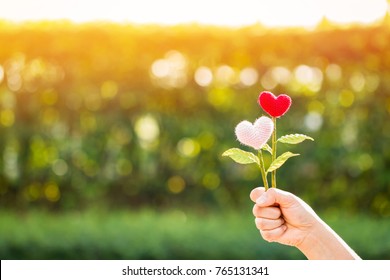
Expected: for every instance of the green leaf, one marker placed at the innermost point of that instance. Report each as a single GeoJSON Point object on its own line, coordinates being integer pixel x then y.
{"type": "Point", "coordinates": [294, 138]}
{"type": "Point", "coordinates": [280, 161]}
{"type": "Point", "coordinates": [267, 148]}
{"type": "Point", "coordinates": [241, 156]}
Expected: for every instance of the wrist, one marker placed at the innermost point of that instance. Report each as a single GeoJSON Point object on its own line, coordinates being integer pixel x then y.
{"type": "Point", "coordinates": [322, 243]}
{"type": "Point", "coordinates": [312, 245]}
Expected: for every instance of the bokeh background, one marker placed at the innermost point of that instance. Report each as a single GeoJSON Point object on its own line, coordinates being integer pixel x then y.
{"type": "Point", "coordinates": [112, 135]}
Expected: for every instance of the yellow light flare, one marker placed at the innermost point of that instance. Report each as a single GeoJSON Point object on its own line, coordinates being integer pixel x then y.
{"type": "Point", "coordinates": [276, 13]}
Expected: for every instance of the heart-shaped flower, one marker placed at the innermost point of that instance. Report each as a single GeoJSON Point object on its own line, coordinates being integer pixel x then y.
{"type": "Point", "coordinates": [255, 135]}
{"type": "Point", "coordinates": [275, 106]}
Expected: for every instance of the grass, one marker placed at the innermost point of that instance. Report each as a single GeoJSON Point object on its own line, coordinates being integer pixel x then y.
{"type": "Point", "coordinates": [171, 234]}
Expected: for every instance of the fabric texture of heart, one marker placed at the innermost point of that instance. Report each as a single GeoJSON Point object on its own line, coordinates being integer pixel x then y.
{"type": "Point", "coordinates": [255, 135]}
{"type": "Point", "coordinates": [275, 106]}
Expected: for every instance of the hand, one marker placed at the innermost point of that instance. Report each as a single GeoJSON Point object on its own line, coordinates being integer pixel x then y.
{"type": "Point", "coordinates": [287, 219]}
{"type": "Point", "coordinates": [282, 216]}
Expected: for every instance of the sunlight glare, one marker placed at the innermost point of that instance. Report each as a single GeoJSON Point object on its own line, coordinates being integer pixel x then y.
{"type": "Point", "coordinates": [225, 75]}
{"type": "Point", "coordinates": [349, 11]}
{"type": "Point", "coordinates": [170, 71]}
{"type": "Point", "coordinates": [203, 76]}
{"type": "Point", "coordinates": [311, 77]}
{"type": "Point", "coordinates": [276, 13]}
{"type": "Point", "coordinates": [249, 76]}
{"type": "Point", "coordinates": [1, 74]}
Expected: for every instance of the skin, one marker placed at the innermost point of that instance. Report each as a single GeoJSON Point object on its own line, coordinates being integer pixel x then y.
{"type": "Point", "coordinates": [285, 218]}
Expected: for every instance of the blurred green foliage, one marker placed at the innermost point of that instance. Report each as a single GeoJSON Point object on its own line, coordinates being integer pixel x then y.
{"type": "Point", "coordinates": [121, 116]}
{"type": "Point", "coordinates": [172, 234]}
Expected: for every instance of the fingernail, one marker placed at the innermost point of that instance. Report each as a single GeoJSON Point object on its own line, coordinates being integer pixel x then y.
{"type": "Point", "coordinates": [261, 199]}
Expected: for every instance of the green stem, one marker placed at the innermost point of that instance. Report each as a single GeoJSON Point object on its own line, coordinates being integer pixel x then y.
{"type": "Point", "coordinates": [273, 173]}
{"type": "Point", "coordinates": [262, 170]}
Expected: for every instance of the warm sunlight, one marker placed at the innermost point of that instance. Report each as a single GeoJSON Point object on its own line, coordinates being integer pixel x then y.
{"type": "Point", "coordinates": [123, 124]}
{"type": "Point", "coordinates": [275, 13]}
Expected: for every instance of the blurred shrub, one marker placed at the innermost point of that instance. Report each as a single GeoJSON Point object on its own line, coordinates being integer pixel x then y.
{"type": "Point", "coordinates": [126, 116]}
{"type": "Point", "coordinates": [171, 234]}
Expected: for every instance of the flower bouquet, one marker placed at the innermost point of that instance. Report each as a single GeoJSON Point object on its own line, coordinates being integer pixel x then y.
{"type": "Point", "coordinates": [256, 135]}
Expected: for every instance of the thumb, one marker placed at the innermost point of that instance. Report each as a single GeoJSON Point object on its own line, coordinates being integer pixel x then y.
{"type": "Point", "coordinates": [275, 196]}
{"type": "Point", "coordinates": [256, 193]}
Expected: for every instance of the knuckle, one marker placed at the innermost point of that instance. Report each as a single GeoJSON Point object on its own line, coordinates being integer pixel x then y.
{"type": "Point", "coordinates": [253, 195]}
{"type": "Point", "coordinates": [259, 223]}
{"type": "Point", "coordinates": [267, 236]}
{"type": "Point", "coordinates": [254, 210]}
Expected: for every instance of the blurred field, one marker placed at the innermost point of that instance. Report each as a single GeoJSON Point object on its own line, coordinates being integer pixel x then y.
{"type": "Point", "coordinates": [125, 118]}
{"type": "Point", "coordinates": [172, 234]}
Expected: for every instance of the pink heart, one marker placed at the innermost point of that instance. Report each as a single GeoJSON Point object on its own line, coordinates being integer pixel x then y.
{"type": "Point", "coordinates": [255, 135]}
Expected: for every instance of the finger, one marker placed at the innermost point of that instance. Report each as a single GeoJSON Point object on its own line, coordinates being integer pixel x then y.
{"type": "Point", "coordinates": [272, 213]}
{"type": "Point", "coordinates": [267, 224]}
{"type": "Point", "coordinates": [276, 196]}
{"type": "Point", "coordinates": [273, 234]}
{"type": "Point", "coordinates": [256, 193]}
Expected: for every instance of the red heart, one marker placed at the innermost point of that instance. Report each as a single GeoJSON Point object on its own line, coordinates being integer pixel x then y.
{"type": "Point", "coordinates": [275, 106]}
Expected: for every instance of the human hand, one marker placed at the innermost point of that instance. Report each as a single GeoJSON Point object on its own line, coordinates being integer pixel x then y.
{"type": "Point", "coordinates": [285, 218]}
{"type": "Point", "coordinates": [282, 217]}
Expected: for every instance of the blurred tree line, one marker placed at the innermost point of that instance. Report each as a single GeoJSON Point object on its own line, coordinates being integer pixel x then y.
{"type": "Point", "coordinates": [106, 115]}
